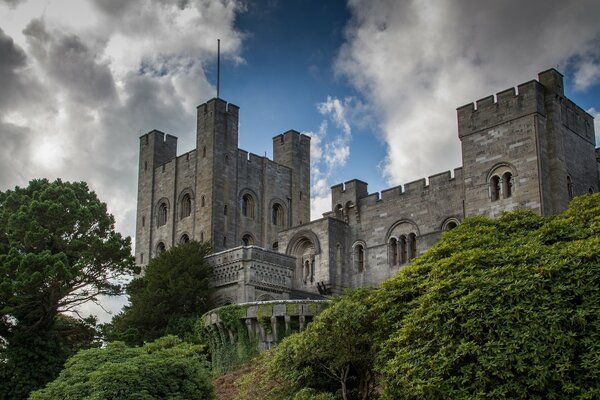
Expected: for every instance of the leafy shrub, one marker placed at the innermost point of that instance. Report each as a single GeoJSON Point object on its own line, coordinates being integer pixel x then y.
{"type": "Point", "coordinates": [164, 369]}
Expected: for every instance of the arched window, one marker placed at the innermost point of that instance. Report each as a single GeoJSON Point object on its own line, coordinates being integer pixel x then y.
{"type": "Point", "coordinates": [277, 214]}
{"type": "Point", "coordinates": [202, 236]}
{"type": "Point", "coordinates": [403, 250]}
{"type": "Point", "coordinates": [186, 206]}
{"type": "Point", "coordinates": [248, 205]}
{"type": "Point", "coordinates": [162, 214]}
{"type": "Point", "coordinates": [507, 183]}
{"type": "Point", "coordinates": [160, 248]}
{"type": "Point", "coordinates": [306, 271]}
{"type": "Point", "coordinates": [450, 225]}
{"type": "Point", "coordinates": [495, 187]}
{"type": "Point", "coordinates": [590, 190]}
{"type": "Point", "coordinates": [204, 151]}
{"type": "Point", "coordinates": [225, 209]}
{"type": "Point", "coordinates": [202, 201]}
{"type": "Point", "coordinates": [570, 187]}
{"type": "Point", "coordinates": [275, 246]}
{"type": "Point", "coordinates": [393, 252]}
{"type": "Point", "coordinates": [224, 241]}
{"type": "Point", "coordinates": [184, 238]}
{"type": "Point", "coordinates": [412, 244]}
{"type": "Point", "coordinates": [359, 257]}
{"type": "Point", "coordinates": [247, 240]}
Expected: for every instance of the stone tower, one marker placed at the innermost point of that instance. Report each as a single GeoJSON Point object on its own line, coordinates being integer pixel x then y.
{"type": "Point", "coordinates": [156, 149]}
{"type": "Point", "coordinates": [293, 150]}
{"type": "Point", "coordinates": [216, 173]}
{"type": "Point", "coordinates": [523, 149]}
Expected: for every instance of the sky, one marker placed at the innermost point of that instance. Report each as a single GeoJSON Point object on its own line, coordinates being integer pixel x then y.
{"type": "Point", "coordinates": [376, 83]}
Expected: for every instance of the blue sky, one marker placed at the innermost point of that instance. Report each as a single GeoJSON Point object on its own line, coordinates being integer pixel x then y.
{"type": "Point", "coordinates": [376, 83]}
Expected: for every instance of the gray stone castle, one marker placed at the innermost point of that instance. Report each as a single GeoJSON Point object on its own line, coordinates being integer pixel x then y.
{"type": "Point", "coordinates": [528, 147]}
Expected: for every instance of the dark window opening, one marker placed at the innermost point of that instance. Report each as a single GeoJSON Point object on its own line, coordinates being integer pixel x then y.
{"type": "Point", "coordinates": [277, 214]}
{"type": "Point", "coordinates": [248, 206]}
{"type": "Point", "coordinates": [412, 241]}
{"type": "Point", "coordinates": [403, 250]}
{"type": "Point", "coordinates": [495, 188]}
{"type": "Point", "coordinates": [360, 258]}
{"type": "Point", "coordinates": [186, 206]}
{"type": "Point", "coordinates": [393, 252]}
{"type": "Point", "coordinates": [162, 214]}
{"type": "Point", "coordinates": [507, 184]}
{"type": "Point", "coordinates": [160, 248]}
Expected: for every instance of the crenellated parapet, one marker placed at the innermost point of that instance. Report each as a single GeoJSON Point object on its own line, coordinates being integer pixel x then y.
{"type": "Point", "coordinates": [356, 191]}
{"type": "Point", "coordinates": [507, 105]}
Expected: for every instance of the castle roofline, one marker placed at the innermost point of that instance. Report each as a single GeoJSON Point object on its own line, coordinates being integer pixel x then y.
{"type": "Point", "coordinates": [217, 100]}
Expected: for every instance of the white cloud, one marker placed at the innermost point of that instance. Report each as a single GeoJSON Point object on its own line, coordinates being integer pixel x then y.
{"type": "Point", "coordinates": [329, 152]}
{"type": "Point", "coordinates": [587, 74]}
{"type": "Point", "coordinates": [416, 62]}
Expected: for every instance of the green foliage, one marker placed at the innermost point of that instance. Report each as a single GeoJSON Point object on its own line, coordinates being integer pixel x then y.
{"type": "Point", "coordinates": [229, 345]}
{"type": "Point", "coordinates": [58, 250]}
{"type": "Point", "coordinates": [499, 309]}
{"type": "Point", "coordinates": [168, 299]}
{"type": "Point", "coordinates": [334, 352]}
{"type": "Point", "coordinates": [506, 308]}
{"type": "Point", "coordinates": [165, 369]}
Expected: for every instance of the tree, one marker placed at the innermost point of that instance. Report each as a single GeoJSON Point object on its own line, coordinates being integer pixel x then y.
{"type": "Point", "coordinates": [498, 309]}
{"type": "Point", "coordinates": [165, 369]}
{"type": "Point", "coordinates": [168, 299]}
{"type": "Point", "coordinates": [336, 349]}
{"type": "Point", "coordinates": [58, 250]}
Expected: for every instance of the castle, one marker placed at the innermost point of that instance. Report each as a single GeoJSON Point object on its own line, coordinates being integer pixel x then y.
{"type": "Point", "coordinates": [526, 148]}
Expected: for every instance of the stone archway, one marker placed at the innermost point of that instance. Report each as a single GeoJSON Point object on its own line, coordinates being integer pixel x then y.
{"type": "Point", "coordinates": [305, 247]}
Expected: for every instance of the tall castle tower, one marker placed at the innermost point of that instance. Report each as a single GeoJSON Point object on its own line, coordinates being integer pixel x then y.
{"type": "Point", "coordinates": [216, 173]}
{"type": "Point", "coordinates": [218, 192]}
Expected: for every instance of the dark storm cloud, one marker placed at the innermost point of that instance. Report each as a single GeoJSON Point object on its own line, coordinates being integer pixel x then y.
{"type": "Point", "coordinates": [19, 87]}
{"type": "Point", "coordinates": [71, 64]}
{"type": "Point", "coordinates": [12, 3]}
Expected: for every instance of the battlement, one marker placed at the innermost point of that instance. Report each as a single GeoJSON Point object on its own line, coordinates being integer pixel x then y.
{"type": "Point", "coordinates": [350, 191]}
{"type": "Point", "coordinates": [219, 105]}
{"type": "Point", "coordinates": [290, 135]}
{"type": "Point", "coordinates": [158, 146]}
{"type": "Point", "coordinates": [423, 186]}
{"type": "Point", "coordinates": [505, 106]}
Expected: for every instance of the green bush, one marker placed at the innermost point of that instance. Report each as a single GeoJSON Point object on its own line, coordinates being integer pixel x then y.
{"type": "Point", "coordinates": [498, 309]}
{"type": "Point", "coordinates": [164, 369]}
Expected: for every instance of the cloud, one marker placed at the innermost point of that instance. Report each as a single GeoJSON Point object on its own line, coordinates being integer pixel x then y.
{"type": "Point", "coordinates": [12, 3]}
{"type": "Point", "coordinates": [587, 74]}
{"type": "Point", "coordinates": [76, 96]}
{"type": "Point", "coordinates": [329, 152]}
{"type": "Point", "coordinates": [416, 62]}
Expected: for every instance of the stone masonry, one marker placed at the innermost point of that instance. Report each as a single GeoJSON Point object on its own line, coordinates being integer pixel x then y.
{"type": "Point", "coordinates": [526, 147]}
